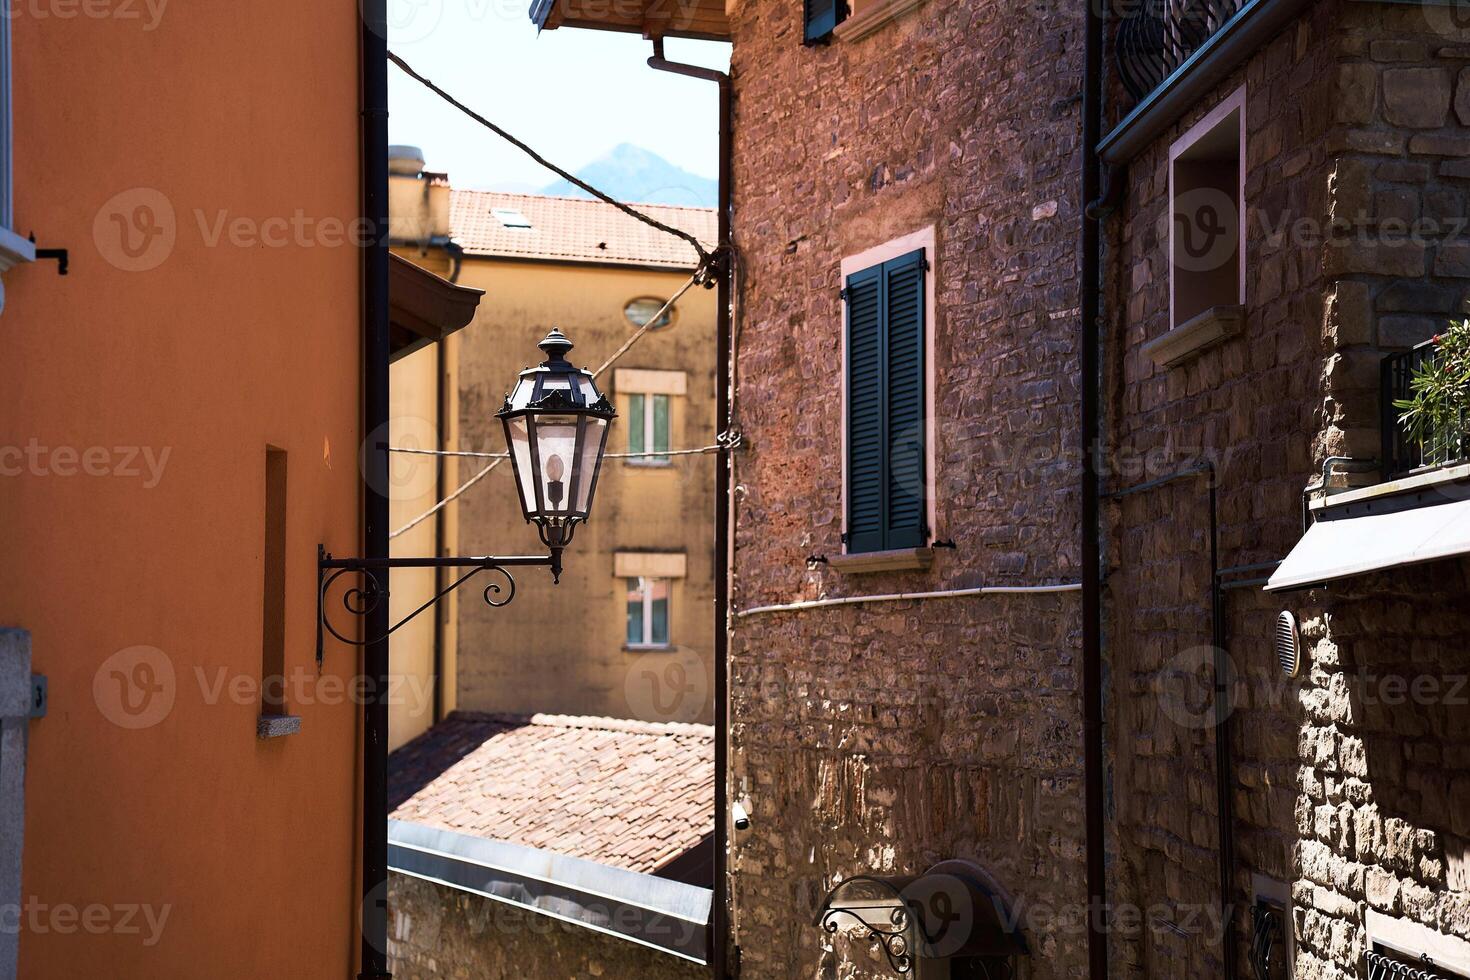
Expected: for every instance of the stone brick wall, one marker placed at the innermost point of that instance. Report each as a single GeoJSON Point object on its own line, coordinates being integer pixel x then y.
{"type": "Point", "coordinates": [883, 738]}
{"type": "Point", "coordinates": [438, 932]}
{"type": "Point", "coordinates": [1354, 207]}
{"type": "Point", "coordinates": [1398, 261]}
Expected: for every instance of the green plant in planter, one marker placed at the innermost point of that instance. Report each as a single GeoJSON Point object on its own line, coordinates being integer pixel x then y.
{"type": "Point", "coordinates": [1437, 413]}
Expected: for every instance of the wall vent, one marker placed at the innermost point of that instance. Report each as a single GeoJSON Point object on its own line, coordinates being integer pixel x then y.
{"type": "Point", "coordinates": [1288, 645]}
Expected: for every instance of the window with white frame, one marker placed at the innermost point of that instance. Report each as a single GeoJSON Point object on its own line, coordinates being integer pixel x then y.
{"type": "Point", "coordinates": [647, 399]}
{"type": "Point", "coordinates": [648, 611]}
{"type": "Point", "coordinates": [888, 448]}
{"type": "Point", "coordinates": [648, 429]}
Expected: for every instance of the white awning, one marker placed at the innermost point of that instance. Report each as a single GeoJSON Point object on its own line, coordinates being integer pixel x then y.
{"type": "Point", "coordinates": [1368, 539]}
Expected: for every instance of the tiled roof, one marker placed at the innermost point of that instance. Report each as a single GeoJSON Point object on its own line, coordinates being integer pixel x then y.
{"type": "Point", "coordinates": [634, 795]}
{"type": "Point", "coordinates": [572, 229]}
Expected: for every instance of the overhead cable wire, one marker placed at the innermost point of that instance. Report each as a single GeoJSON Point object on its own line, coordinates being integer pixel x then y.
{"type": "Point", "coordinates": [565, 175]}
{"type": "Point", "coordinates": [641, 455]}
{"type": "Point", "coordinates": [497, 458]}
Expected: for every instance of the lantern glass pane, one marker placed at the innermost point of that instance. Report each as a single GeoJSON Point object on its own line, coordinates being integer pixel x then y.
{"type": "Point", "coordinates": [520, 449]}
{"type": "Point", "coordinates": [521, 397]}
{"type": "Point", "coordinates": [591, 449]}
{"type": "Point", "coordinates": [556, 445]}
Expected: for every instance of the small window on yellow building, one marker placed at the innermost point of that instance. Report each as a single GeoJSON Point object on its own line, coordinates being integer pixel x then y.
{"type": "Point", "coordinates": [648, 429]}
{"type": "Point", "coordinates": [648, 612]}
{"type": "Point", "coordinates": [642, 309]}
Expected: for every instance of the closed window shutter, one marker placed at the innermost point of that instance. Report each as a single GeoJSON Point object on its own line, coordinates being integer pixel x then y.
{"type": "Point", "coordinates": [886, 407]}
{"type": "Point", "coordinates": [819, 17]}
{"type": "Point", "coordinates": [865, 405]}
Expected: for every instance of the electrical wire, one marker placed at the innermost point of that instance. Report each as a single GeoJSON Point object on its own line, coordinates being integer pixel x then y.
{"type": "Point", "coordinates": [902, 596]}
{"type": "Point", "coordinates": [497, 458]}
{"type": "Point", "coordinates": [565, 175]}
{"type": "Point", "coordinates": [641, 455]}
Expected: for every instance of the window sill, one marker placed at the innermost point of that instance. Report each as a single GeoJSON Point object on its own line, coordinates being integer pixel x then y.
{"type": "Point", "coordinates": [649, 648]}
{"type": "Point", "coordinates": [276, 726]}
{"type": "Point", "coordinates": [13, 251]}
{"type": "Point", "coordinates": [660, 463]}
{"type": "Point", "coordinates": [898, 560]}
{"type": "Point", "coordinates": [871, 17]}
{"type": "Point", "coordinates": [1195, 335]}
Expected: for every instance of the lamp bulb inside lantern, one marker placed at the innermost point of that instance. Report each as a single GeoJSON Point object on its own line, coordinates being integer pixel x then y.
{"type": "Point", "coordinates": [555, 470]}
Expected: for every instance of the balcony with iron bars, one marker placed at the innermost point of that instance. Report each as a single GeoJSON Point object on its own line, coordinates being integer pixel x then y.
{"type": "Point", "coordinates": [1444, 444]}
{"type": "Point", "coordinates": [1169, 54]}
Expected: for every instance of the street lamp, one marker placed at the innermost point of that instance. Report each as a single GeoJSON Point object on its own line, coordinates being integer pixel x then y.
{"type": "Point", "coordinates": [556, 425]}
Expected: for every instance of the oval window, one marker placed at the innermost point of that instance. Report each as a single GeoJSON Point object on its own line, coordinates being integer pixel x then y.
{"type": "Point", "coordinates": [642, 309]}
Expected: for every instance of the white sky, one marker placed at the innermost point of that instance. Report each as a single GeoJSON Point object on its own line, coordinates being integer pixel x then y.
{"type": "Point", "coordinates": [571, 94]}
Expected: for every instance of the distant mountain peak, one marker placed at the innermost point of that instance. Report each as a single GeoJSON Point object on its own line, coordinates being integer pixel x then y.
{"type": "Point", "coordinates": [634, 174]}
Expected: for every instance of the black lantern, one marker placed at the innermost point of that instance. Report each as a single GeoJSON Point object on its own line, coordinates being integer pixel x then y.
{"type": "Point", "coordinates": [556, 428]}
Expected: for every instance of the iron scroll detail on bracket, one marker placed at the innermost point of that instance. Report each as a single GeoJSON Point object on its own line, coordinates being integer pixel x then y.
{"type": "Point", "coordinates": [954, 911]}
{"type": "Point", "coordinates": [365, 596]}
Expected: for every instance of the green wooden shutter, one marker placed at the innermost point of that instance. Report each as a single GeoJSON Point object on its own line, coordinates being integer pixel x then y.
{"type": "Point", "coordinates": [865, 404]}
{"type": "Point", "coordinates": [886, 451]}
{"type": "Point", "coordinates": [905, 497]}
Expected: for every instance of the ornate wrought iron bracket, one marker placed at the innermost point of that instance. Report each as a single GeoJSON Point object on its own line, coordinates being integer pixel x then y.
{"type": "Point", "coordinates": [363, 597]}
{"type": "Point", "coordinates": [894, 941]}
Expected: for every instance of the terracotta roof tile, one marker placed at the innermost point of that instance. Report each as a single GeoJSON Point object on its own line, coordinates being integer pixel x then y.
{"type": "Point", "coordinates": [630, 794]}
{"type": "Point", "coordinates": [575, 229]}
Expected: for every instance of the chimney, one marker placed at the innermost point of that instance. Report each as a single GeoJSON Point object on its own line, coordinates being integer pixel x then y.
{"type": "Point", "coordinates": [418, 201]}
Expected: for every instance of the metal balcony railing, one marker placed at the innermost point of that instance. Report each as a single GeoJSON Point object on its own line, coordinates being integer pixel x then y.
{"type": "Point", "coordinates": [1155, 37]}
{"type": "Point", "coordinates": [1445, 445]}
{"type": "Point", "coordinates": [1384, 967]}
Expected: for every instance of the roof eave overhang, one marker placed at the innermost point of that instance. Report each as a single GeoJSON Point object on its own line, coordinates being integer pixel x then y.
{"type": "Point", "coordinates": [424, 308]}
{"type": "Point", "coordinates": [653, 19]}
{"type": "Point", "coordinates": [664, 915]}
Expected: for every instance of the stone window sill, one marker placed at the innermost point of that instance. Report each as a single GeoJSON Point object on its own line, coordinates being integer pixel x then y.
{"type": "Point", "coordinates": [649, 648]}
{"type": "Point", "coordinates": [871, 16]}
{"type": "Point", "coordinates": [899, 560]}
{"type": "Point", "coordinates": [276, 726]}
{"type": "Point", "coordinates": [13, 251]}
{"type": "Point", "coordinates": [1195, 335]}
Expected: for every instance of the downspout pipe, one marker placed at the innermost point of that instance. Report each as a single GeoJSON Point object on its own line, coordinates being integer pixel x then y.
{"type": "Point", "coordinates": [719, 939]}
{"type": "Point", "coordinates": [1224, 757]}
{"type": "Point", "coordinates": [373, 964]}
{"type": "Point", "coordinates": [455, 251]}
{"type": "Point", "coordinates": [1091, 443]}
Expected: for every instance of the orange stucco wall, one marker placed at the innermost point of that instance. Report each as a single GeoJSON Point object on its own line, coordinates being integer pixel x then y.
{"type": "Point", "coordinates": [248, 847]}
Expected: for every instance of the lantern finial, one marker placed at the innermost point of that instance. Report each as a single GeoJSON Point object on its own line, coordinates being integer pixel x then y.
{"type": "Point", "coordinates": [556, 345]}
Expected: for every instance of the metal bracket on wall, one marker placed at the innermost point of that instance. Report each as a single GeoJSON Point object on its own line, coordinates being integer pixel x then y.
{"type": "Point", "coordinates": [60, 255]}
{"type": "Point", "coordinates": [40, 697]}
{"type": "Point", "coordinates": [359, 600]}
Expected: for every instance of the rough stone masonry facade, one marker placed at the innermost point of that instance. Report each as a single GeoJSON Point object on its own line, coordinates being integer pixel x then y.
{"type": "Point", "coordinates": [1351, 787]}
{"type": "Point", "coordinates": [883, 738]}
{"type": "Point", "coordinates": [436, 933]}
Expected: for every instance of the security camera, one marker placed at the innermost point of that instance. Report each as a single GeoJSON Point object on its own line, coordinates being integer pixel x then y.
{"type": "Point", "coordinates": [742, 819]}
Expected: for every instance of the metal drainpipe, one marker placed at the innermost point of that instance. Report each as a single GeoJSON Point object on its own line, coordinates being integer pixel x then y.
{"type": "Point", "coordinates": [374, 97]}
{"type": "Point", "coordinates": [1224, 759]}
{"type": "Point", "coordinates": [719, 945]}
{"type": "Point", "coordinates": [456, 259]}
{"type": "Point", "coordinates": [1092, 677]}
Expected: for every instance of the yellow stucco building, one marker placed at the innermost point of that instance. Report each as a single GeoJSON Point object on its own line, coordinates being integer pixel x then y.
{"type": "Point", "coordinates": [629, 632]}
